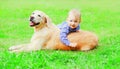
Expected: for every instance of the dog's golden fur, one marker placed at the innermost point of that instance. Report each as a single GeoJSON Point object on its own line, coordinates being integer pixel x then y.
{"type": "Point", "coordinates": [46, 36]}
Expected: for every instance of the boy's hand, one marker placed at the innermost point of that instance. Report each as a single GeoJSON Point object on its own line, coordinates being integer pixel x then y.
{"type": "Point", "coordinates": [73, 44]}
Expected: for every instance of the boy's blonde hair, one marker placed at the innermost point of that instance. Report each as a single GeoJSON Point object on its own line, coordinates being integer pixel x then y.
{"type": "Point", "coordinates": [76, 13]}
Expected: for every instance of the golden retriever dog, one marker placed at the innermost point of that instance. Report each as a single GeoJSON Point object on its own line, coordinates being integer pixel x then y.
{"type": "Point", "coordinates": [47, 36]}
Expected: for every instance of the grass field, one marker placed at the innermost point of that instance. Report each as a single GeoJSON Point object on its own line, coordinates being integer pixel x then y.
{"type": "Point", "coordinates": [99, 16]}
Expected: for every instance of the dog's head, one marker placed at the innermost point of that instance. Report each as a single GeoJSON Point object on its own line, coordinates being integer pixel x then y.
{"type": "Point", "coordinates": [37, 17]}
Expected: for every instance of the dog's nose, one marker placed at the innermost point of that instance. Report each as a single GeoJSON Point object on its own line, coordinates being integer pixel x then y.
{"type": "Point", "coordinates": [31, 18]}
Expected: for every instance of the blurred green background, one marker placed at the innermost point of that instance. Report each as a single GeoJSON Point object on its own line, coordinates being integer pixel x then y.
{"type": "Point", "coordinates": [99, 16]}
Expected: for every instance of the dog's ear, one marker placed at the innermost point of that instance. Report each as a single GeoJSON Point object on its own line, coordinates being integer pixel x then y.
{"type": "Point", "coordinates": [45, 20]}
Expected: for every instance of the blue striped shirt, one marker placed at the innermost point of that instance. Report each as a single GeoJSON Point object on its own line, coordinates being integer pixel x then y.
{"type": "Point", "coordinates": [64, 31]}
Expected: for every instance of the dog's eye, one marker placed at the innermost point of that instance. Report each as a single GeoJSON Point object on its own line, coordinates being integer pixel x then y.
{"type": "Point", "coordinates": [39, 15]}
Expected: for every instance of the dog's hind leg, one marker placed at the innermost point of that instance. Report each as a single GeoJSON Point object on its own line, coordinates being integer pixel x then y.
{"type": "Point", "coordinates": [85, 48]}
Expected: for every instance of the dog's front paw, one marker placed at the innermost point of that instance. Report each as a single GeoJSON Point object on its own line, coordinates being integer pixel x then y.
{"type": "Point", "coordinates": [12, 48]}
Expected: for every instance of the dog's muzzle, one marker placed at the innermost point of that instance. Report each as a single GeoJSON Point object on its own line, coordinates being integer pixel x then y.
{"type": "Point", "coordinates": [32, 23]}
{"type": "Point", "coordinates": [31, 18]}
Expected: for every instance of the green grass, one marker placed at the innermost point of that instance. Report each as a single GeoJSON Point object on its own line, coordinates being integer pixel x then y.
{"type": "Point", "coordinates": [101, 17]}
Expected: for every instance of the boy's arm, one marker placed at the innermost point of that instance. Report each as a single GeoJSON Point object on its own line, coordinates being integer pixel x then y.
{"type": "Point", "coordinates": [63, 36]}
{"type": "Point", "coordinates": [78, 27]}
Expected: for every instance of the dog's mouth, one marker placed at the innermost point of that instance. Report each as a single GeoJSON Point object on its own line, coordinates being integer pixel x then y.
{"type": "Point", "coordinates": [33, 23]}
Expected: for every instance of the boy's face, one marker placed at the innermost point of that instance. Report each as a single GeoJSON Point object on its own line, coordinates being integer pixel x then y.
{"type": "Point", "coordinates": [73, 21]}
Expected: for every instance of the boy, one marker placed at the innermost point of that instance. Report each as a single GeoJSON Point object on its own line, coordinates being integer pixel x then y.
{"type": "Point", "coordinates": [69, 26]}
